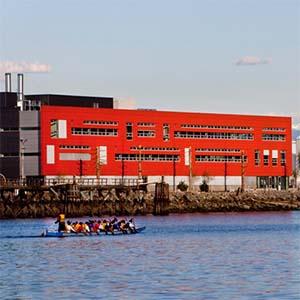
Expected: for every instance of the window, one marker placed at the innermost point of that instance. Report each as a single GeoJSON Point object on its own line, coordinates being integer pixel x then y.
{"type": "Point", "coordinates": [166, 132]}
{"type": "Point", "coordinates": [273, 129]}
{"type": "Point", "coordinates": [257, 157]}
{"type": "Point", "coordinates": [266, 160]}
{"type": "Point", "coordinates": [220, 158]}
{"type": "Point", "coordinates": [95, 131]}
{"type": "Point", "coordinates": [283, 157]}
{"type": "Point", "coordinates": [58, 129]}
{"type": "Point", "coordinates": [145, 124]}
{"type": "Point", "coordinates": [54, 129]}
{"type": "Point", "coordinates": [216, 127]}
{"type": "Point", "coordinates": [146, 133]}
{"type": "Point", "coordinates": [147, 157]}
{"type": "Point", "coordinates": [129, 134]}
{"type": "Point", "coordinates": [155, 149]}
{"type": "Point", "coordinates": [103, 123]}
{"type": "Point", "coordinates": [213, 135]}
{"type": "Point", "coordinates": [79, 147]}
{"type": "Point", "coordinates": [217, 150]}
{"type": "Point", "coordinates": [274, 157]}
{"type": "Point", "coordinates": [273, 137]}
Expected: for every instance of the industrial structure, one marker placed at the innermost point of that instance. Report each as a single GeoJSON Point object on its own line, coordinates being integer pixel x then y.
{"type": "Point", "coordinates": [59, 136]}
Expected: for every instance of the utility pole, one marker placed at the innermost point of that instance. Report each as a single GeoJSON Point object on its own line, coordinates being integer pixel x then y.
{"type": "Point", "coordinates": [242, 171]}
{"type": "Point", "coordinates": [139, 165]}
{"type": "Point", "coordinates": [190, 169]}
{"type": "Point", "coordinates": [174, 173]}
{"type": "Point", "coordinates": [225, 174]}
{"type": "Point", "coordinates": [80, 168]}
{"type": "Point", "coordinates": [97, 163]}
{"type": "Point", "coordinates": [123, 170]}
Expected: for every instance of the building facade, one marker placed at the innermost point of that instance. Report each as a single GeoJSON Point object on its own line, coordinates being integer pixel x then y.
{"type": "Point", "coordinates": [68, 136]}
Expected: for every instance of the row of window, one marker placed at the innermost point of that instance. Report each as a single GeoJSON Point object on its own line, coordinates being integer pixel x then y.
{"type": "Point", "coordinates": [273, 129]}
{"type": "Point", "coordinates": [82, 147]}
{"type": "Point", "coordinates": [216, 127]}
{"type": "Point", "coordinates": [146, 157]}
{"type": "Point", "coordinates": [105, 123]}
{"type": "Point", "coordinates": [151, 124]}
{"type": "Point", "coordinates": [217, 150]}
{"type": "Point", "coordinates": [145, 124]}
{"type": "Point", "coordinates": [154, 148]}
{"type": "Point", "coordinates": [220, 158]}
{"type": "Point", "coordinates": [266, 158]}
{"type": "Point", "coordinates": [273, 137]}
{"type": "Point", "coordinates": [146, 133]}
{"type": "Point", "coordinates": [213, 135]}
{"type": "Point", "coordinates": [95, 131]}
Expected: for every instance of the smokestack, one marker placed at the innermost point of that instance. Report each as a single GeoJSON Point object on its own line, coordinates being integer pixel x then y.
{"type": "Point", "coordinates": [8, 82]}
{"type": "Point", "coordinates": [21, 91]}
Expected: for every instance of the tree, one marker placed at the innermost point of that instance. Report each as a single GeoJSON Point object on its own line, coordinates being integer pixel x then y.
{"type": "Point", "coordinates": [205, 181]}
{"type": "Point", "coordinates": [182, 186]}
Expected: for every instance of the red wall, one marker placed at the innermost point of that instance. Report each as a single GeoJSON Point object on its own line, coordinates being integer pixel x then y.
{"type": "Point", "coordinates": [119, 144]}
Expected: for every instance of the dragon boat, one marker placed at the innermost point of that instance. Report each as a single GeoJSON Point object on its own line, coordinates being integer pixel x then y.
{"type": "Point", "coordinates": [62, 234]}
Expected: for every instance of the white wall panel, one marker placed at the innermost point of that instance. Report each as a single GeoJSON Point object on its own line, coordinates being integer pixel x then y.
{"type": "Point", "coordinates": [62, 129]}
{"type": "Point", "coordinates": [50, 154]}
{"type": "Point", "coordinates": [74, 156]}
{"type": "Point", "coordinates": [103, 155]}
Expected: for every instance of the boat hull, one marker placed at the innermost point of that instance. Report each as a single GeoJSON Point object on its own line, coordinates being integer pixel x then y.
{"type": "Point", "coordinates": [57, 234]}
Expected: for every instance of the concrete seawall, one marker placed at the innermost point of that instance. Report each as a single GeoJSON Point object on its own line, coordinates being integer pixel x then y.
{"type": "Point", "coordinates": [46, 204]}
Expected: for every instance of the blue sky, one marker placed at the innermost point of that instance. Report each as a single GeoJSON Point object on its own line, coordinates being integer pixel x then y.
{"type": "Point", "coordinates": [167, 54]}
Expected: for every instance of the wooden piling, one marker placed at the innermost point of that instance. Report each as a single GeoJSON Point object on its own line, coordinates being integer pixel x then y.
{"type": "Point", "coordinates": [161, 199]}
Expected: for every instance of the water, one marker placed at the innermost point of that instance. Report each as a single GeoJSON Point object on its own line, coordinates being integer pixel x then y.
{"type": "Point", "coordinates": [192, 256]}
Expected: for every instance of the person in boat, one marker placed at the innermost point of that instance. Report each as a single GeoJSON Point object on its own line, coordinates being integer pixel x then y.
{"type": "Point", "coordinates": [61, 222]}
{"type": "Point", "coordinates": [86, 227]}
{"type": "Point", "coordinates": [96, 226]}
{"type": "Point", "coordinates": [123, 226]}
{"type": "Point", "coordinates": [131, 226]}
{"type": "Point", "coordinates": [115, 224]}
{"type": "Point", "coordinates": [69, 227]}
{"type": "Point", "coordinates": [77, 227]}
{"type": "Point", "coordinates": [102, 226]}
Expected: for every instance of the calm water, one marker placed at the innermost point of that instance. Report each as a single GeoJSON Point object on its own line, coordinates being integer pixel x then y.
{"type": "Point", "coordinates": [193, 256]}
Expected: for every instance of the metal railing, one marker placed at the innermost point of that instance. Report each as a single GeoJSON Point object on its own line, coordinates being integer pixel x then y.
{"type": "Point", "coordinates": [15, 183]}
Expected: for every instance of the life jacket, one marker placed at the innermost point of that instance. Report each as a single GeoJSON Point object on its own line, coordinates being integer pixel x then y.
{"type": "Point", "coordinates": [61, 218]}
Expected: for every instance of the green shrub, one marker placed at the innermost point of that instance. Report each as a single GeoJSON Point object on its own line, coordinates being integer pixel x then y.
{"type": "Point", "coordinates": [182, 186]}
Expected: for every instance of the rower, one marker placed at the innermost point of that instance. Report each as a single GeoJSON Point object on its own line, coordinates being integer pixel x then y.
{"type": "Point", "coordinates": [69, 227]}
{"type": "Point", "coordinates": [61, 222]}
{"type": "Point", "coordinates": [131, 226]}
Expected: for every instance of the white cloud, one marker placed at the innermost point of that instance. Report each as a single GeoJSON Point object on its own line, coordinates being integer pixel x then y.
{"type": "Point", "coordinates": [252, 61]}
{"type": "Point", "coordinates": [22, 67]}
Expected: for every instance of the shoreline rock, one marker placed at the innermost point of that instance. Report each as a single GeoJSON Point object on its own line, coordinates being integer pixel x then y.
{"type": "Point", "coordinates": [37, 204]}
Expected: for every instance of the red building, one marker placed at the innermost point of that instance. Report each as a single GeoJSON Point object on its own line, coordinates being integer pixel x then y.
{"type": "Point", "coordinates": [224, 149]}
{"type": "Point", "coordinates": [55, 136]}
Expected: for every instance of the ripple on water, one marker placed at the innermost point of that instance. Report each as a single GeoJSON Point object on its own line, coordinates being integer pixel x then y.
{"type": "Point", "coordinates": [199, 256]}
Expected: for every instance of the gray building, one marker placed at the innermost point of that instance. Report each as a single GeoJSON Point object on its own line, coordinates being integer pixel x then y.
{"type": "Point", "coordinates": [20, 126]}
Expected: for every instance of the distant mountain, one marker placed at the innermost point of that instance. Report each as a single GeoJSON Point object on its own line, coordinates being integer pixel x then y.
{"type": "Point", "coordinates": [296, 133]}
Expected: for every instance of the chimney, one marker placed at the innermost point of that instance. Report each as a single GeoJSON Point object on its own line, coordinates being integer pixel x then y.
{"type": "Point", "coordinates": [8, 82]}
{"type": "Point", "coordinates": [21, 91]}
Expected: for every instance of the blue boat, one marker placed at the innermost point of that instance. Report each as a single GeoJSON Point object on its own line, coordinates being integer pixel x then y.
{"type": "Point", "coordinates": [72, 234]}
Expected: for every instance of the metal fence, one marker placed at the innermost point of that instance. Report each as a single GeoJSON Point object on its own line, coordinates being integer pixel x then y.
{"type": "Point", "coordinates": [15, 183]}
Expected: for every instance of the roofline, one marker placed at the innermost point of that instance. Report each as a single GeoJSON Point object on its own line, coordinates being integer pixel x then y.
{"type": "Point", "coordinates": [177, 112]}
